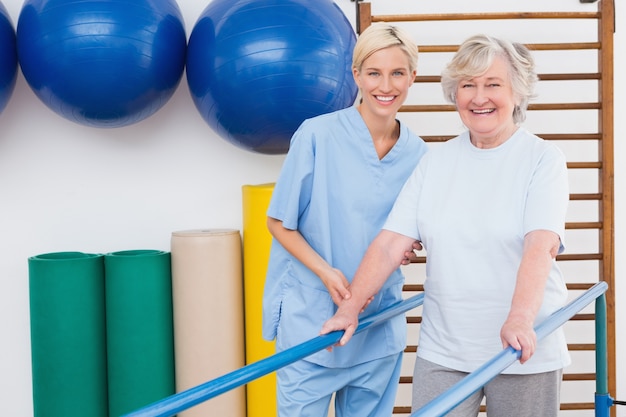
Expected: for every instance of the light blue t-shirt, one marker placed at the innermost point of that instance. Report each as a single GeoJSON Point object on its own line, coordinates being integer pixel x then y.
{"type": "Point", "coordinates": [334, 189]}
{"type": "Point", "coordinates": [471, 208]}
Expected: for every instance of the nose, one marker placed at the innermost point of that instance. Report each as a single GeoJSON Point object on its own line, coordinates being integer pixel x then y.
{"type": "Point", "coordinates": [385, 85]}
{"type": "Point", "coordinates": [480, 96]}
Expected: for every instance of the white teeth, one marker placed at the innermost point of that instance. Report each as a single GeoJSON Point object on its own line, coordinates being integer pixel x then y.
{"type": "Point", "coordinates": [483, 111]}
{"type": "Point", "coordinates": [384, 98]}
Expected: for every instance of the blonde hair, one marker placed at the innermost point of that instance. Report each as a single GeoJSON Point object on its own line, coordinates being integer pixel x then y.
{"type": "Point", "coordinates": [380, 36]}
{"type": "Point", "coordinates": [475, 56]}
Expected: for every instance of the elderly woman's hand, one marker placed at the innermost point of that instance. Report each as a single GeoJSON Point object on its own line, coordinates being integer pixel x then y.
{"type": "Point", "coordinates": [518, 333]}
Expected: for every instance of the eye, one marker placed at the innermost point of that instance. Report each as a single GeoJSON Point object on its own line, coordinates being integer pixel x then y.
{"type": "Point", "coordinates": [398, 73]}
{"type": "Point", "coordinates": [467, 85]}
{"type": "Point", "coordinates": [373, 73]}
{"type": "Point", "coordinates": [494, 85]}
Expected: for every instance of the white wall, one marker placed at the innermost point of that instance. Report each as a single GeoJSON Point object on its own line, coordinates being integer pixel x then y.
{"type": "Point", "coordinates": [68, 187]}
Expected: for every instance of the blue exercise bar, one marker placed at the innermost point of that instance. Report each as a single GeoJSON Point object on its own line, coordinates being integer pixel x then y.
{"type": "Point", "coordinates": [481, 376]}
{"type": "Point", "coordinates": [186, 399]}
{"type": "Point", "coordinates": [437, 407]}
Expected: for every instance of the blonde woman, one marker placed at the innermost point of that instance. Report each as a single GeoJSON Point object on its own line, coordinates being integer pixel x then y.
{"type": "Point", "coordinates": [339, 180]}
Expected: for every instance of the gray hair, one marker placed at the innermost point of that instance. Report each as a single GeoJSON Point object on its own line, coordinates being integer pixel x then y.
{"type": "Point", "coordinates": [475, 56]}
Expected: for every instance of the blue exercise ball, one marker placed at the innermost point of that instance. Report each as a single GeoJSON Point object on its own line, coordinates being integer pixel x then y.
{"type": "Point", "coordinates": [102, 63]}
{"type": "Point", "coordinates": [257, 69]}
{"type": "Point", "coordinates": [8, 55]}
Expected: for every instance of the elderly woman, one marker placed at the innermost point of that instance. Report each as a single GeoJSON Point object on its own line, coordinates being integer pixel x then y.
{"type": "Point", "coordinates": [489, 207]}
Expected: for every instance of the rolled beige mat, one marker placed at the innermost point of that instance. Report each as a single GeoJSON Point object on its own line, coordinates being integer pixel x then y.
{"type": "Point", "coordinates": [207, 291]}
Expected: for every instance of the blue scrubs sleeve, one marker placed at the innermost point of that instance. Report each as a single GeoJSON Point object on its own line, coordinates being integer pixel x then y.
{"type": "Point", "coordinates": [295, 179]}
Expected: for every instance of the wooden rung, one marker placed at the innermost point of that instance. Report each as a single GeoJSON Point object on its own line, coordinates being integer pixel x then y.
{"type": "Point", "coordinates": [564, 407]}
{"type": "Point", "coordinates": [575, 317]}
{"type": "Point", "coordinates": [583, 317]}
{"type": "Point", "coordinates": [570, 136]}
{"type": "Point", "coordinates": [429, 108]}
{"type": "Point", "coordinates": [577, 406]}
{"type": "Point", "coordinates": [583, 225]}
{"type": "Point", "coordinates": [570, 286]}
{"type": "Point", "coordinates": [584, 165]}
{"type": "Point", "coordinates": [542, 77]}
{"type": "Point", "coordinates": [425, 17]}
{"type": "Point", "coordinates": [564, 257]}
{"type": "Point", "coordinates": [574, 46]}
{"type": "Point", "coordinates": [566, 377]}
{"type": "Point", "coordinates": [546, 136]}
{"type": "Point", "coordinates": [579, 286]}
{"type": "Point", "coordinates": [579, 197]}
{"type": "Point", "coordinates": [406, 379]}
{"type": "Point", "coordinates": [574, 347]}
{"type": "Point", "coordinates": [565, 106]}
{"type": "Point", "coordinates": [570, 77]}
{"type": "Point", "coordinates": [577, 347]}
{"type": "Point", "coordinates": [579, 257]}
{"type": "Point", "coordinates": [437, 138]}
{"type": "Point", "coordinates": [579, 377]}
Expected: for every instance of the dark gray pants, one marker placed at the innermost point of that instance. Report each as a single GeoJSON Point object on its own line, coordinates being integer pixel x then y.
{"type": "Point", "coordinates": [534, 395]}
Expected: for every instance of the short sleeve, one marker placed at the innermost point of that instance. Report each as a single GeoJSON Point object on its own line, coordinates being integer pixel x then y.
{"type": "Point", "coordinates": [292, 191]}
{"type": "Point", "coordinates": [403, 216]}
{"type": "Point", "coordinates": [548, 195]}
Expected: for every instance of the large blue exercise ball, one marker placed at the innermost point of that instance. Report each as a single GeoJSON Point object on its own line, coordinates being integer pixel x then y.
{"type": "Point", "coordinates": [257, 69]}
{"type": "Point", "coordinates": [102, 63]}
{"type": "Point", "coordinates": [8, 57]}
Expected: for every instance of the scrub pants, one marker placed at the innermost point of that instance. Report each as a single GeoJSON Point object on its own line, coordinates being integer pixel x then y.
{"type": "Point", "coordinates": [365, 390]}
{"type": "Point", "coordinates": [531, 395]}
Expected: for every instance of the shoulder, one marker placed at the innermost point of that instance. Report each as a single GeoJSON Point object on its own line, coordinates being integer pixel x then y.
{"type": "Point", "coordinates": [416, 142]}
{"type": "Point", "coordinates": [323, 129]}
{"type": "Point", "coordinates": [540, 146]}
{"type": "Point", "coordinates": [450, 145]}
{"type": "Point", "coordinates": [326, 122]}
{"type": "Point", "coordinates": [337, 115]}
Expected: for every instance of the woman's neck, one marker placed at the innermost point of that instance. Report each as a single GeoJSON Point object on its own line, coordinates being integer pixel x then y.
{"type": "Point", "coordinates": [483, 141]}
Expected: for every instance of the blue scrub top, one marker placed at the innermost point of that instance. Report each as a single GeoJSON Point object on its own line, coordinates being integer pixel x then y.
{"type": "Point", "coordinates": [335, 190]}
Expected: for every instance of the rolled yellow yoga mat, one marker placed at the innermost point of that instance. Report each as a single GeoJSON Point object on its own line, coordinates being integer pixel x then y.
{"type": "Point", "coordinates": [207, 291]}
{"type": "Point", "coordinates": [261, 393]}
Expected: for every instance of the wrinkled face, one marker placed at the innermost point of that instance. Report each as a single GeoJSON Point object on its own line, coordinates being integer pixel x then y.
{"type": "Point", "coordinates": [384, 81]}
{"type": "Point", "coordinates": [486, 103]}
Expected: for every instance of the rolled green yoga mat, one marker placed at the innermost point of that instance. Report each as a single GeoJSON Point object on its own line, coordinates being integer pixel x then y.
{"type": "Point", "coordinates": [140, 342]}
{"type": "Point", "coordinates": [68, 347]}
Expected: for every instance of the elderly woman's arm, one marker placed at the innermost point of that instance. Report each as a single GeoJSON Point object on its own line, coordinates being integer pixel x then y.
{"type": "Point", "coordinates": [384, 255]}
{"type": "Point", "coordinates": [540, 248]}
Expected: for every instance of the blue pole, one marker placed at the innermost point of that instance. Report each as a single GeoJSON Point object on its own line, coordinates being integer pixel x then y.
{"type": "Point", "coordinates": [475, 380]}
{"type": "Point", "coordinates": [193, 396]}
{"type": "Point", "coordinates": [603, 400]}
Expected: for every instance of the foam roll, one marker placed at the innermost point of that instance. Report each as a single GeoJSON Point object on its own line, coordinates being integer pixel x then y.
{"type": "Point", "coordinates": [67, 323]}
{"type": "Point", "coordinates": [140, 341]}
{"type": "Point", "coordinates": [207, 290]}
{"type": "Point", "coordinates": [261, 393]}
